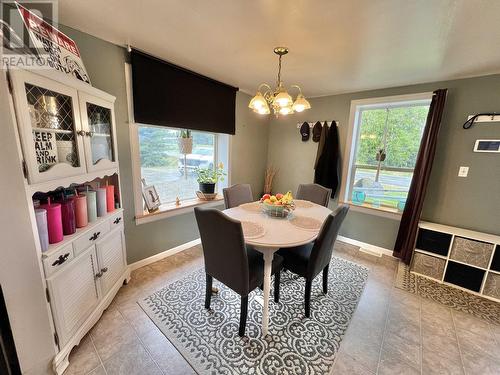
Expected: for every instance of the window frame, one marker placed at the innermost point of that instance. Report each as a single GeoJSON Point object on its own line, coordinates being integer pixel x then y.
{"type": "Point", "coordinates": [222, 147]}
{"type": "Point", "coordinates": [348, 170]}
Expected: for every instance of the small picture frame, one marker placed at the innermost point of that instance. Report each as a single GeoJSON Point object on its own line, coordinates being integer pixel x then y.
{"type": "Point", "coordinates": [151, 198]}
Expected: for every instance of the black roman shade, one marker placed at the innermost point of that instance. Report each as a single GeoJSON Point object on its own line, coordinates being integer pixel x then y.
{"type": "Point", "coordinates": [168, 95]}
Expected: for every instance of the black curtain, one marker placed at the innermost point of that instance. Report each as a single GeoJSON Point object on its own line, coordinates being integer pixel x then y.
{"type": "Point", "coordinates": [168, 95]}
{"type": "Point", "coordinates": [408, 227]}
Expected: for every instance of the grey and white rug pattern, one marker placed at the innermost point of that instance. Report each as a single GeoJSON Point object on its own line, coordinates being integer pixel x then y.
{"type": "Point", "coordinates": [447, 295]}
{"type": "Point", "coordinates": [209, 340]}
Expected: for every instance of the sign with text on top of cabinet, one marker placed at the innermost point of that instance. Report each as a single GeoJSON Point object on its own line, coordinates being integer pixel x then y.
{"type": "Point", "coordinates": [57, 50]}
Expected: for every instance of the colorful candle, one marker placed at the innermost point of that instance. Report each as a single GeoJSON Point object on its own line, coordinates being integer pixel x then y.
{"type": "Point", "coordinates": [54, 221]}
{"type": "Point", "coordinates": [91, 205]}
{"type": "Point", "coordinates": [101, 201]}
{"type": "Point", "coordinates": [110, 197]}
{"type": "Point", "coordinates": [41, 223]}
{"type": "Point", "coordinates": [81, 210]}
{"type": "Point", "coordinates": [68, 216]}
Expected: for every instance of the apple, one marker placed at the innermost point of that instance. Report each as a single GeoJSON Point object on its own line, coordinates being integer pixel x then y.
{"type": "Point", "coordinates": [265, 196]}
{"type": "Point", "coordinates": [268, 201]}
{"type": "Point", "coordinates": [279, 196]}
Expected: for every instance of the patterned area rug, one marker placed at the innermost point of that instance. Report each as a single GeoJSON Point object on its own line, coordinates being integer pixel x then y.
{"type": "Point", "coordinates": [452, 297]}
{"type": "Point", "coordinates": [209, 341]}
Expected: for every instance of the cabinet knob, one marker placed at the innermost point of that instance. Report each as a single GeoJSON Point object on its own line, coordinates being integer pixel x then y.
{"type": "Point", "coordinates": [60, 260]}
{"type": "Point", "coordinates": [98, 275]}
{"type": "Point", "coordinates": [81, 133]}
{"type": "Point", "coordinates": [103, 270]}
{"type": "Point", "coordinates": [89, 134]}
{"type": "Point", "coordinates": [95, 236]}
{"type": "Point", "coordinates": [117, 220]}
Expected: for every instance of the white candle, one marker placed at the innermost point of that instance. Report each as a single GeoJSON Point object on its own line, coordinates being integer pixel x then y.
{"type": "Point", "coordinates": [41, 223]}
{"type": "Point", "coordinates": [101, 201]}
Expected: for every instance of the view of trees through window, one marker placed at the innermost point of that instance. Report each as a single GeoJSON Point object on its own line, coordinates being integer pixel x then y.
{"type": "Point", "coordinates": [163, 165]}
{"type": "Point", "coordinates": [386, 152]}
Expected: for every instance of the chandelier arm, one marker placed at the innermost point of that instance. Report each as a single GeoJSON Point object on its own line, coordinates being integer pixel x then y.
{"type": "Point", "coordinates": [297, 87]}
{"type": "Point", "coordinates": [279, 72]}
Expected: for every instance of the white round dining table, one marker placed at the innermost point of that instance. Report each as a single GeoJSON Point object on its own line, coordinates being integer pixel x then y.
{"type": "Point", "coordinates": [278, 233]}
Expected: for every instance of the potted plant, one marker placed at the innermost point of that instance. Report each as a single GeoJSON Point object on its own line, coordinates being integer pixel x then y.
{"type": "Point", "coordinates": [208, 177]}
{"type": "Point", "coordinates": [185, 142]}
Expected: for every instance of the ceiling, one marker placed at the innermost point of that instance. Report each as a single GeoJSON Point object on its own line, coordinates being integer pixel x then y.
{"type": "Point", "coordinates": [335, 45]}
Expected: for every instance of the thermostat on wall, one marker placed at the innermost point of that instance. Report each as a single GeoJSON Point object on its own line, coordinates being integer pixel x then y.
{"type": "Point", "coordinates": [487, 145]}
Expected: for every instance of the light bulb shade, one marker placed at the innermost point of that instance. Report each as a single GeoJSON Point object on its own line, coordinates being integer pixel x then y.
{"type": "Point", "coordinates": [263, 110]}
{"type": "Point", "coordinates": [257, 102]}
{"type": "Point", "coordinates": [301, 104]}
{"type": "Point", "coordinates": [283, 99]}
{"type": "Point", "coordinates": [286, 110]}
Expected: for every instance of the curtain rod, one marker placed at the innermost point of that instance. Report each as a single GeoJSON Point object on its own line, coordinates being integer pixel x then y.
{"type": "Point", "coordinates": [311, 124]}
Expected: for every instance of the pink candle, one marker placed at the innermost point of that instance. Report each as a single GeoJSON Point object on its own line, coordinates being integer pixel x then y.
{"type": "Point", "coordinates": [68, 216]}
{"type": "Point", "coordinates": [54, 221]}
{"type": "Point", "coordinates": [81, 210]}
{"type": "Point", "coordinates": [110, 198]}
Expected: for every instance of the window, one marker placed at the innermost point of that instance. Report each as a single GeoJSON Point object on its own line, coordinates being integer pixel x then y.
{"type": "Point", "coordinates": [165, 167]}
{"type": "Point", "coordinates": [386, 135]}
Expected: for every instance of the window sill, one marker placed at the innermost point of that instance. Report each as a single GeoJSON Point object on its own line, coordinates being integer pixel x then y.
{"type": "Point", "coordinates": [170, 209]}
{"type": "Point", "coordinates": [387, 212]}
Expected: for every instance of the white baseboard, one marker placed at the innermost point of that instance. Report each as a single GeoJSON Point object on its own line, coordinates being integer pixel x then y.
{"type": "Point", "coordinates": [163, 254]}
{"type": "Point", "coordinates": [366, 247]}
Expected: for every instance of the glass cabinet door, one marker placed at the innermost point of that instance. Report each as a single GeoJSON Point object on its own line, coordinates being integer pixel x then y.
{"type": "Point", "coordinates": [98, 125]}
{"type": "Point", "coordinates": [50, 127]}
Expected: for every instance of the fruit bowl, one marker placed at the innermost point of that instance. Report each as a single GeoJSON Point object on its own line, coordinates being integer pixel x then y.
{"type": "Point", "coordinates": [278, 205]}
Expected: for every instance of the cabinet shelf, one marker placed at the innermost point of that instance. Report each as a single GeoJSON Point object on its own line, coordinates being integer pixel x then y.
{"type": "Point", "coordinates": [49, 130]}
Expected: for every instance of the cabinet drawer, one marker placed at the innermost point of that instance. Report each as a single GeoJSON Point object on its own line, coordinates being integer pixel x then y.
{"type": "Point", "coordinates": [475, 253]}
{"type": "Point", "coordinates": [465, 276]}
{"type": "Point", "coordinates": [495, 263]}
{"type": "Point", "coordinates": [89, 238]}
{"type": "Point", "coordinates": [492, 285]}
{"type": "Point", "coordinates": [428, 265]}
{"type": "Point", "coordinates": [116, 220]}
{"type": "Point", "coordinates": [433, 242]}
{"type": "Point", "coordinates": [62, 257]}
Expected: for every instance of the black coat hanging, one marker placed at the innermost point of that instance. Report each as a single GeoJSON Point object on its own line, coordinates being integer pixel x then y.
{"type": "Point", "coordinates": [328, 167]}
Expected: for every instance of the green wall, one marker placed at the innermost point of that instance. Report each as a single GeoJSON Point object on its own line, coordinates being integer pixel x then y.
{"type": "Point", "coordinates": [105, 64]}
{"type": "Point", "coordinates": [472, 202]}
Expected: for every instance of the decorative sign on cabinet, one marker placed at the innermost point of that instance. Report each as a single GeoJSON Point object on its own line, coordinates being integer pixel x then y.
{"type": "Point", "coordinates": [67, 139]}
{"type": "Point", "coordinates": [458, 257]}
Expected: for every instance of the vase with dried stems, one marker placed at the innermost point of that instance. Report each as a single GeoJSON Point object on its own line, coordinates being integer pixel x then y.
{"type": "Point", "coordinates": [268, 179]}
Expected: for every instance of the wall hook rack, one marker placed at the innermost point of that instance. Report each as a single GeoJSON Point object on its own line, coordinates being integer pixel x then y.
{"type": "Point", "coordinates": [311, 123]}
{"type": "Point", "coordinates": [481, 117]}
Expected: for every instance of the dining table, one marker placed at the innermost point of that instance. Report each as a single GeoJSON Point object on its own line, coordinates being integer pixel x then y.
{"type": "Point", "coordinates": [274, 233]}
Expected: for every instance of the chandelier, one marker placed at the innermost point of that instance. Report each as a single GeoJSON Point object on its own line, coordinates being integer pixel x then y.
{"type": "Point", "coordinates": [278, 99]}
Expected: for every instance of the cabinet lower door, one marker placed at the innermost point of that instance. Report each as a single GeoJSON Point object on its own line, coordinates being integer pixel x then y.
{"type": "Point", "coordinates": [111, 259]}
{"type": "Point", "coordinates": [74, 294]}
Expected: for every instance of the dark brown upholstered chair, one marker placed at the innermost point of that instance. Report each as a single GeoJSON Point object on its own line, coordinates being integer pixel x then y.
{"type": "Point", "coordinates": [314, 193]}
{"type": "Point", "coordinates": [237, 194]}
{"type": "Point", "coordinates": [230, 261]}
{"type": "Point", "coordinates": [310, 259]}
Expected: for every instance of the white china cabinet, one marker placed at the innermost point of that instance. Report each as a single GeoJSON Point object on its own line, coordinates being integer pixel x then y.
{"type": "Point", "coordinates": [67, 138]}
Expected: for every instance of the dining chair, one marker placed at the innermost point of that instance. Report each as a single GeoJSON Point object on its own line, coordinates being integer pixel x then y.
{"type": "Point", "coordinates": [314, 193]}
{"type": "Point", "coordinates": [228, 260]}
{"type": "Point", "coordinates": [237, 194]}
{"type": "Point", "coordinates": [310, 259]}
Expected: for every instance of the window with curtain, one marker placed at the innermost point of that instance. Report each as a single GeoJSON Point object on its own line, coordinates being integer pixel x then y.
{"type": "Point", "coordinates": [163, 164]}
{"type": "Point", "coordinates": [386, 140]}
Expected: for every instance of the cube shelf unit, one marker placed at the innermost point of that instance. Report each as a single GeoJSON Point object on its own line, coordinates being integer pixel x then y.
{"type": "Point", "coordinates": [461, 258]}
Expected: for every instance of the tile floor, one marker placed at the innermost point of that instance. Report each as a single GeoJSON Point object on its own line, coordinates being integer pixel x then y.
{"type": "Point", "coordinates": [392, 331]}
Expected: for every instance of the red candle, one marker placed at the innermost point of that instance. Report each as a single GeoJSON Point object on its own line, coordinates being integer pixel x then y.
{"type": "Point", "coordinates": [54, 221]}
{"type": "Point", "coordinates": [81, 210]}
{"type": "Point", "coordinates": [110, 198]}
{"type": "Point", "coordinates": [68, 216]}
